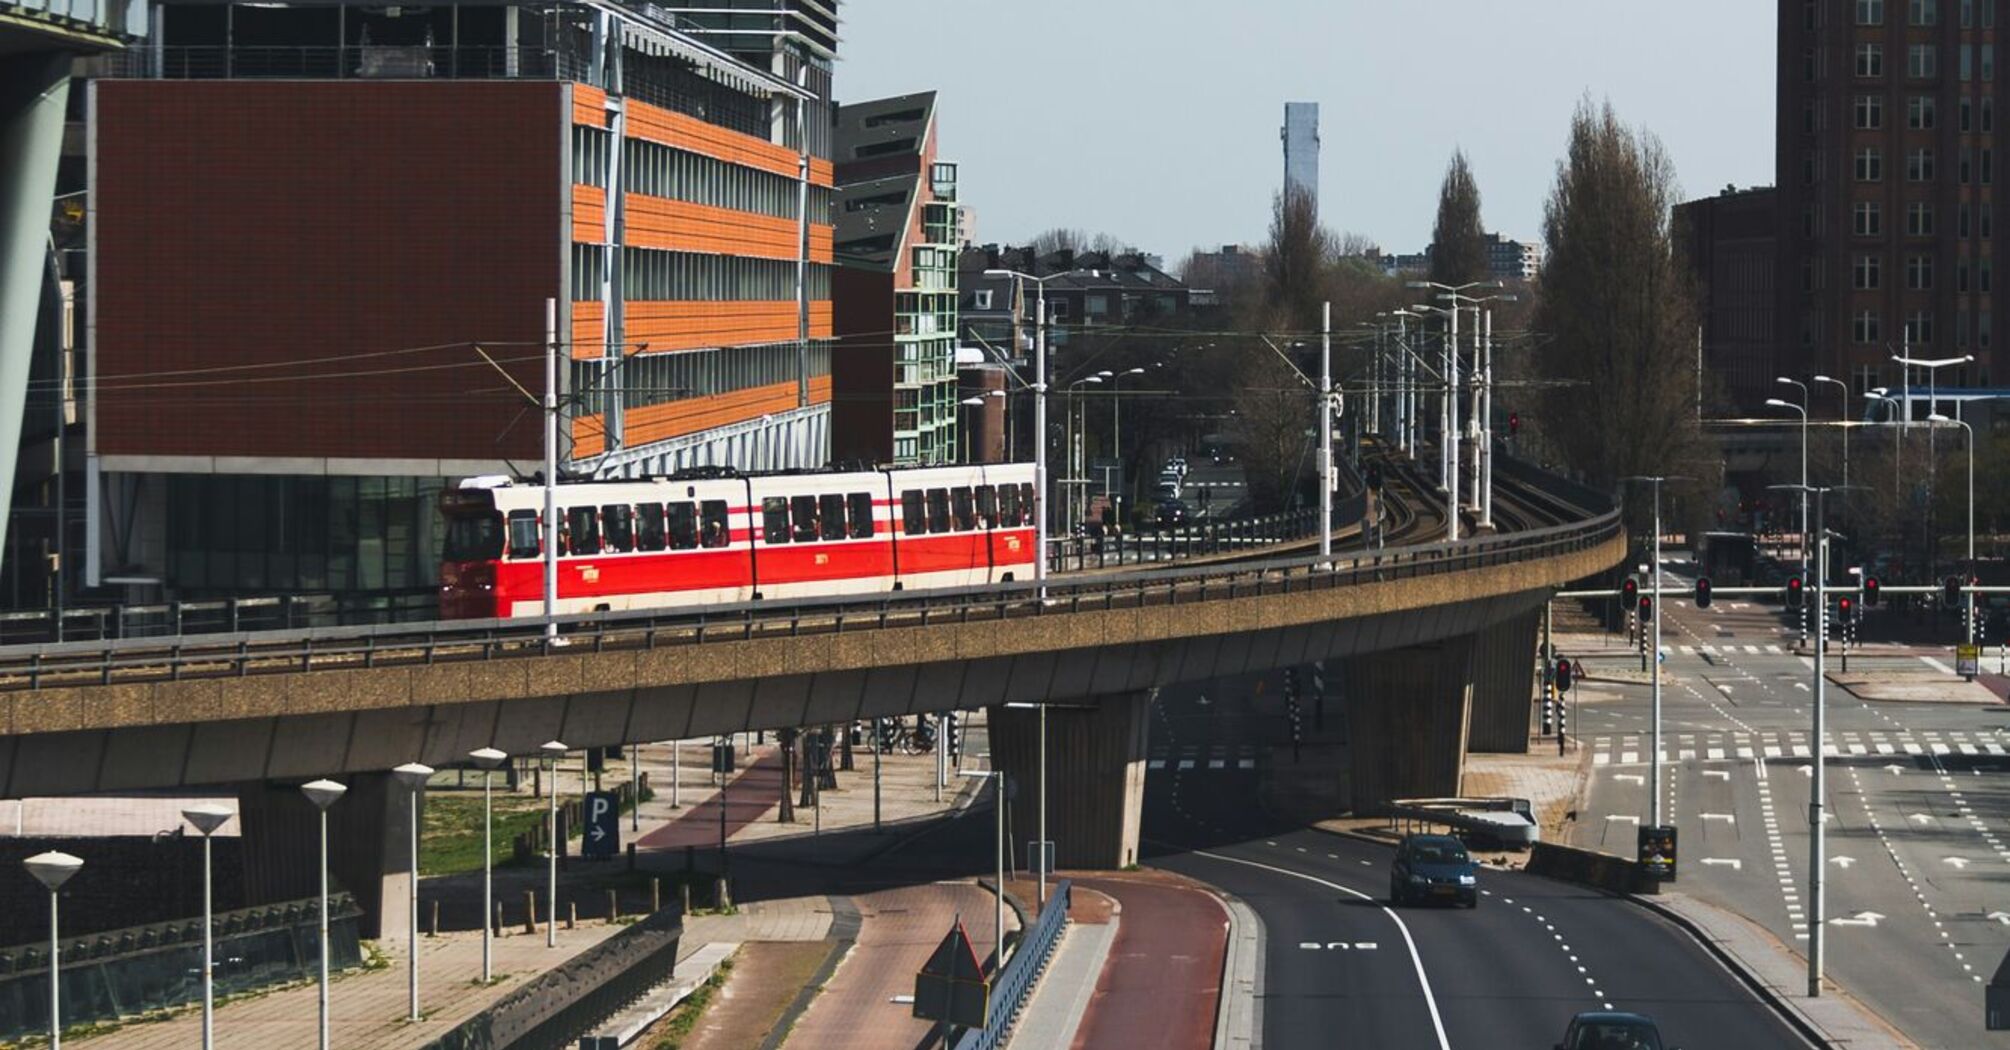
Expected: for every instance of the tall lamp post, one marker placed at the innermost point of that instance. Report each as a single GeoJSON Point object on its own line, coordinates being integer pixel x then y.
{"type": "Point", "coordinates": [997, 778]}
{"type": "Point", "coordinates": [1040, 495]}
{"type": "Point", "coordinates": [1968, 606]}
{"type": "Point", "coordinates": [1117, 432]}
{"type": "Point", "coordinates": [1933, 365]}
{"type": "Point", "coordinates": [1818, 790]}
{"type": "Point", "coordinates": [1845, 421]}
{"type": "Point", "coordinates": [1802, 408]}
{"type": "Point", "coordinates": [553, 751]}
{"type": "Point", "coordinates": [208, 817]}
{"type": "Point", "coordinates": [1654, 589]}
{"type": "Point", "coordinates": [414, 776]}
{"type": "Point", "coordinates": [1075, 514]}
{"type": "Point", "coordinates": [323, 793]}
{"type": "Point", "coordinates": [488, 759]}
{"type": "Point", "coordinates": [52, 870]}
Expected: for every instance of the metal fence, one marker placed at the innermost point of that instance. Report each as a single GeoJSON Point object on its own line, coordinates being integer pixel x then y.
{"type": "Point", "coordinates": [1015, 981]}
{"type": "Point", "coordinates": [1077, 553]}
{"type": "Point", "coordinates": [222, 615]}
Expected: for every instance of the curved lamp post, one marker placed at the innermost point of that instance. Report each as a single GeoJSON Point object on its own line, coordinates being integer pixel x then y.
{"type": "Point", "coordinates": [488, 758]}
{"type": "Point", "coordinates": [206, 818]}
{"type": "Point", "coordinates": [323, 793]}
{"type": "Point", "coordinates": [52, 870]}
{"type": "Point", "coordinates": [553, 751]}
{"type": "Point", "coordinates": [414, 776]}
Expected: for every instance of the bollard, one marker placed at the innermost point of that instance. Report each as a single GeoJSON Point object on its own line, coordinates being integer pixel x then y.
{"type": "Point", "coordinates": [631, 856]}
{"type": "Point", "coordinates": [496, 920]}
{"type": "Point", "coordinates": [571, 914]}
{"type": "Point", "coordinates": [725, 894]}
{"type": "Point", "coordinates": [655, 894]}
{"type": "Point", "coordinates": [613, 908]}
{"type": "Point", "coordinates": [530, 911]}
{"type": "Point", "coordinates": [435, 931]}
{"type": "Point", "coordinates": [684, 892]}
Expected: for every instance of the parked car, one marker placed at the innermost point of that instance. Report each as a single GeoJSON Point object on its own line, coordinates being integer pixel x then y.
{"type": "Point", "coordinates": [1171, 512]}
{"type": "Point", "coordinates": [1611, 1030]}
{"type": "Point", "coordinates": [1434, 867]}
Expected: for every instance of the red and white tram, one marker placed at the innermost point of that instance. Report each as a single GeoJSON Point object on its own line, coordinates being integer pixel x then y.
{"type": "Point", "coordinates": [684, 541]}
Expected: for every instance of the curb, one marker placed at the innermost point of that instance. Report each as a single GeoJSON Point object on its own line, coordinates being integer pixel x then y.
{"type": "Point", "coordinates": [1778, 1003]}
{"type": "Point", "coordinates": [1241, 978]}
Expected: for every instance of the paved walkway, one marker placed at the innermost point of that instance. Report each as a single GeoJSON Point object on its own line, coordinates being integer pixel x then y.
{"type": "Point", "coordinates": [1053, 1013]}
{"type": "Point", "coordinates": [1161, 984]}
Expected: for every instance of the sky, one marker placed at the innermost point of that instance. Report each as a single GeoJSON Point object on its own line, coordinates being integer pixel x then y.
{"type": "Point", "coordinates": [1157, 120]}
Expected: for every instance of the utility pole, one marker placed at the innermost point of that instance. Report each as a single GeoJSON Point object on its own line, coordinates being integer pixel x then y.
{"type": "Point", "coordinates": [1817, 832]}
{"type": "Point", "coordinates": [1325, 433]}
{"type": "Point", "coordinates": [550, 469]}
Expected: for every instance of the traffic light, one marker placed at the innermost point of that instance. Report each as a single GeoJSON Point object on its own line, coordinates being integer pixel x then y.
{"type": "Point", "coordinates": [1564, 672]}
{"type": "Point", "coordinates": [1646, 608]}
{"type": "Point", "coordinates": [1702, 592]}
{"type": "Point", "coordinates": [1950, 591]}
{"type": "Point", "coordinates": [1845, 609]}
{"type": "Point", "coordinates": [1794, 586]}
{"type": "Point", "coordinates": [1374, 477]}
{"type": "Point", "coordinates": [1870, 586]}
{"type": "Point", "coordinates": [1548, 715]}
{"type": "Point", "coordinates": [1514, 423]}
{"type": "Point", "coordinates": [955, 734]}
{"type": "Point", "coordinates": [1629, 592]}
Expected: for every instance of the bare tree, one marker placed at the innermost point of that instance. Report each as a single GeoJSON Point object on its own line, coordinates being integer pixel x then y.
{"type": "Point", "coordinates": [1079, 240]}
{"type": "Point", "coordinates": [1271, 425]}
{"type": "Point", "coordinates": [1295, 261]}
{"type": "Point", "coordinates": [1458, 241]}
{"type": "Point", "coordinates": [1617, 312]}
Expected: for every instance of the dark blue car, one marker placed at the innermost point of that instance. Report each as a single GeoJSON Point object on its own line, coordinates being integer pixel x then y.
{"type": "Point", "coordinates": [1434, 868]}
{"type": "Point", "coordinates": [1611, 1030]}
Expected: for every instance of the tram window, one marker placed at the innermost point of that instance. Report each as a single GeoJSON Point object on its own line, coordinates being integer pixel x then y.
{"type": "Point", "coordinates": [523, 539]}
{"type": "Point", "coordinates": [617, 526]}
{"type": "Point", "coordinates": [938, 510]}
{"type": "Point", "coordinates": [712, 522]}
{"type": "Point", "coordinates": [913, 518]}
{"type": "Point", "coordinates": [775, 519]}
{"type": "Point", "coordinates": [987, 506]}
{"type": "Point", "coordinates": [582, 531]}
{"type": "Point", "coordinates": [832, 507]}
{"type": "Point", "coordinates": [861, 515]}
{"type": "Point", "coordinates": [649, 526]}
{"type": "Point", "coordinates": [966, 509]}
{"type": "Point", "coordinates": [1008, 506]}
{"type": "Point", "coordinates": [682, 525]}
{"type": "Point", "coordinates": [473, 537]}
{"type": "Point", "coordinates": [1027, 507]}
{"type": "Point", "coordinates": [804, 510]}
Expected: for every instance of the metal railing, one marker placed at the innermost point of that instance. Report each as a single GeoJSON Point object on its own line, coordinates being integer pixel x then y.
{"type": "Point", "coordinates": [294, 651]}
{"type": "Point", "coordinates": [362, 61]}
{"type": "Point", "coordinates": [1015, 981]}
{"type": "Point", "coordinates": [1079, 553]}
{"type": "Point", "coordinates": [223, 615]}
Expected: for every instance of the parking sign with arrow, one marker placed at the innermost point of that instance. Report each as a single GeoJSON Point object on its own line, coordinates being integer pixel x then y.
{"type": "Point", "coordinates": [602, 839]}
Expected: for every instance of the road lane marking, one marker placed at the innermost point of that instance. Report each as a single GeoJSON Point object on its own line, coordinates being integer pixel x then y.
{"type": "Point", "coordinates": [1416, 960]}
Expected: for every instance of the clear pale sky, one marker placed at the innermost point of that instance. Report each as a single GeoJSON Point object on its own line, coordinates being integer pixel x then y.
{"type": "Point", "coordinates": [1157, 120]}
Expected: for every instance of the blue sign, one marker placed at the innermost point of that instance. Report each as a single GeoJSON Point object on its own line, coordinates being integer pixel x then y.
{"type": "Point", "coordinates": [603, 826]}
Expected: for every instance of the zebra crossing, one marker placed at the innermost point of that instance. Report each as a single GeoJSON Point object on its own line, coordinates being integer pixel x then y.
{"type": "Point", "coordinates": [1728, 650]}
{"type": "Point", "coordinates": [1631, 749]}
{"type": "Point", "coordinates": [1203, 757]}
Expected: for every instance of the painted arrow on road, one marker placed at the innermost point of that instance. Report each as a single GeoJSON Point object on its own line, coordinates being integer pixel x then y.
{"type": "Point", "coordinates": [1731, 862]}
{"type": "Point", "coordinates": [1894, 769]}
{"type": "Point", "coordinates": [1806, 771]}
{"type": "Point", "coordinates": [1920, 818]}
{"type": "Point", "coordinates": [2002, 917]}
{"type": "Point", "coordinates": [1629, 818]}
{"type": "Point", "coordinates": [1721, 774]}
{"type": "Point", "coordinates": [1842, 862]}
{"type": "Point", "coordinates": [1718, 816]}
{"type": "Point", "coordinates": [1957, 863]}
{"type": "Point", "coordinates": [1338, 946]}
{"type": "Point", "coordinates": [1634, 778]}
{"type": "Point", "coordinates": [1862, 918]}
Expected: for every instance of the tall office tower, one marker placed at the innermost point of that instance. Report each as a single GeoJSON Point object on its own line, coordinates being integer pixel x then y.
{"type": "Point", "coordinates": [1301, 148]}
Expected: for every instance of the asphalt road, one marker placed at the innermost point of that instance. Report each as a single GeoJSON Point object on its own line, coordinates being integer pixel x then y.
{"type": "Point", "coordinates": [1340, 966]}
{"type": "Point", "coordinates": [1918, 843]}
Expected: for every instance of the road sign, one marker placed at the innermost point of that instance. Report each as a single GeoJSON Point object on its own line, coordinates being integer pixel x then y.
{"type": "Point", "coordinates": [1967, 659]}
{"type": "Point", "coordinates": [951, 985]}
{"type": "Point", "coordinates": [722, 758]}
{"type": "Point", "coordinates": [1657, 851]}
{"type": "Point", "coordinates": [603, 826]}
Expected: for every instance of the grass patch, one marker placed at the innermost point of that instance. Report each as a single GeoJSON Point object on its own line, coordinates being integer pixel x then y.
{"type": "Point", "coordinates": [451, 841]}
{"type": "Point", "coordinates": [676, 1028]}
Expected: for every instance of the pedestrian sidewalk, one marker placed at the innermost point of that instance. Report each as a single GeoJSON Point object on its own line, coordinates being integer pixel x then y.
{"type": "Point", "coordinates": [1053, 1013]}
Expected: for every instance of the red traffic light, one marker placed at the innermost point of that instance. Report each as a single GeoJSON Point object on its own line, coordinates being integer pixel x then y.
{"type": "Point", "coordinates": [1794, 586]}
{"type": "Point", "coordinates": [1646, 609]}
{"type": "Point", "coordinates": [1702, 592]}
{"type": "Point", "coordinates": [1845, 609]}
{"type": "Point", "coordinates": [1870, 586]}
{"type": "Point", "coordinates": [1630, 591]}
{"type": "Point", "coordinates": [1514, 423]}
{"type": "Point", "coordinates": [1564, 673]}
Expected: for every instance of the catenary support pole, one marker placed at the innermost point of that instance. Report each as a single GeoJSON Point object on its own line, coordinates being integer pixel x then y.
{"type": "Point", "coordinates": [1326, 467]}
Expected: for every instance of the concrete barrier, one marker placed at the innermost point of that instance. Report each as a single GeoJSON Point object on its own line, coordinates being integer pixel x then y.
{"type": "Point", "coordinates": [1585, 867]}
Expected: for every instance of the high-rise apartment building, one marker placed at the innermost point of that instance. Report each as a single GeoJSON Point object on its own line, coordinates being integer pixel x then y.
{"type": "Point", "coordinates": [1301, 148]}
{"type": "Point", "coordinates": [1886, 173]}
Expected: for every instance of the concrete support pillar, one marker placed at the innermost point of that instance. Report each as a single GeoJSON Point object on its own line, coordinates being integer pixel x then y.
{"type": "Point", "coordinates": [1503, 669]}
{"type": "Point", "coordinates": [368, 846]}
{"type": "Point", "coordinates": [34, 92]}
{"type": "Point", "coordinates": [1407, 712]}
{"type": "Point", "coordinates": [1095, 778]}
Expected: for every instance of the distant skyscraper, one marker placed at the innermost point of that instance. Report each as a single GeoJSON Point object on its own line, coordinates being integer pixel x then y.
{"type": "Point", "coordinates": [1301, 148]}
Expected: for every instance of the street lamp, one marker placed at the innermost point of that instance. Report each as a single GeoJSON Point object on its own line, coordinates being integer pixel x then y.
{"type": "Point", "coordinates": [208, 817]}
{"type": "Point", "coordinates": [1879, 393]}
{"type": "Point", "coordinates": [552, 751]}
{"type": "Point", "coordinates": [997, 778]}
{"type": "Point", "coordinates": [488, 758]}
{"type": "Point", "coordinates": [1969, 605]}
{"type": "Point", "coordinates": [1040, 508]}
{"type": "Point", "coordinates": [52, 870]}
{"type": "Point", "coordinates": [323, 793]}
{"type": "Point", "coordinates": [1818, 790]}
{"type": "Point", "coordinates": [1117, 430]}
{"type": "Point", "coordinates": [1844, 419]}
{"type": "Point", "coordinates": [414, 776]}
{"type": "Point", "coordinates": [1076, 477]}
{"type": "Point", "coordinates": [1654, 588]}
{"type": "Point", "coordinates": [1933, 365]}
{"type": "Point", "coordinates": [1448, 427]}
{"type": "Point", "coordinates": [1802, 408]}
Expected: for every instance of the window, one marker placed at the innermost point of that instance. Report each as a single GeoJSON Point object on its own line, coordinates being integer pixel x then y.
{"type": "Point", "coordinates": [1870, 12]}
{"type": "Point", "coordinates": [775, 519]}
{"type": "Point", "coordinates": [1985, 169]}
{"type": "Point", "coordinates": [681, 525]}
{"type": "Point", "coordinates": [861, 516]}
{"type": "Point", "coordinates": [1919, 327]}
{"type": "Point", "coordinates": [523, 538]}
{"type": "Point", "coordinates": [1962, 109]}
{"type": "Point", "coordinates": [1919, 165]}
{"type": "Point", "coordinates": [831, 505]}
{"type": "Point", "coordinates": [649, 526]}
{"type": "Point", "coordinates": [1960, 328]}
{"type": "Point", "coordinates": [1919, 219]}
{"type": "Point", "coordinates": [1989, 62]}
{"type": "Point", "coordinates": [1057, 310]}
{"type": "Point", "coordinates": [1988, 114]}
{"type": "Point", "coordinates": [1919, 113]}
{"type": "Point", "coordinates": [1869, 164]}
{"type": "Point", "coordinates": [965, 508]}
{"type": "Point", "coordinates": [1919, 273]}
{"type": "Point", "coordinates": [1919, 61]}
{"type": "Point", "coordinates": [1863, 327]}
{"type": "Point", "coordinates": [1983, 226]}
{"type": "Point", "coordinates": [1866, 272]}
{"type": "Point", "coordinates": [1869, 60]}
{"type": "Point", "coordinates": [987, 506]}
{"type": "Point", "coordinates": [1810, 118]}
{"type": "Point", "coordinates": [938, 510]}
{"type": "Point", "coordinates": [1968, 13]}
{"type": "Point", "coordinates": [803, 511]}
{"type": "Point", "coordinates": [617, 525]}
{"type": "Point", "coordinates": [1869, 112]}
{"type": "Point", "coordinates": [913, 518]}
{"type": "Point", "coordinates": [981, 299]}
{"type": "Point", "coordinates": [1965, 166]}
{"type": "Point", "coordinates": [1961, 277]}
{"type": "Point", "coordinates": [582, 533]}
{"type": "Point", "coordinates": [1869, 218]}
{"type": "Point", "coordinates": [1982, 318]}
{"type": "Point", "coordinates": [712, 517]}
{"type": "Point", "coordinates": [1967, 63]}
{"type": "Point", "coordinates": [1924, 12]}
{"type": "Point", "coordinates": [1982, 268]}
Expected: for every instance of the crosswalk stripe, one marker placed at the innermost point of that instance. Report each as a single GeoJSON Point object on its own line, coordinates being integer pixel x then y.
{"type": "Point", "coordinates": [1156, 763]}
{"type": "Point", "coordinates": [1744, 752]}
{"type": "Point", "coordinates": [1773, 649]}
{"type": "Point", "coordinates": [1716, 754]}
{"type": "Point", "coordinates": [1601, 759]}
{"type": "Point", "coordinates": [1629, 758]}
